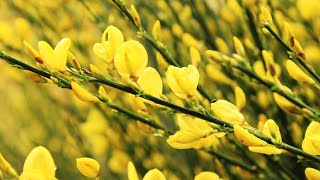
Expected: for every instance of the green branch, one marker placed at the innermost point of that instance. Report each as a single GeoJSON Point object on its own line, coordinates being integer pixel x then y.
{"type": "Point", "coordinates": [309, 68]}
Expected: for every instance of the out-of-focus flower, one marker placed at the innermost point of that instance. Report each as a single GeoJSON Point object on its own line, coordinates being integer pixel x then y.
{"type": "Point", "coordinates": [227, 112]}
{"type": "Point", "coordinates": [39, 164]}
{"type": "Point", "coordinates": [183, 81]}
{"type": "Point", "coordinates": [131, 59]}
{"type": "Point", "coordinates": [265, 16]}
{"type": "Point", "coordinates": [55, 58]}
{"type": "Point", "coordinates": [88, 167]}
{"type": "Point", "coordinates": [156, 30]}
{"type": "Point", "coordinates": [107, 49]}
{"type": "Point", "coordinates": [240, 98]}
{"type": "Point", "coordinates": [195, 57]}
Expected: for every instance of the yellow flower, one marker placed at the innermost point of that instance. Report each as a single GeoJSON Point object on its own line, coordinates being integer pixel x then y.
{"type": "Point", "coordinates": [107, 49]}
{"type": "Point", "coordinates": [131, 59]}
{"type": "Point", "coordinates": [132, 173]}
{"type": "Point", "coordinates": [206, 175]}
{"type": "Point", "coordinates": [82, 93]}
{"type": "Point", "coordinates": [183, 81]}
{"type": "Point", "coordinates": [39, 165]}
{"type": "Point", "coordinates": [194, 133]}
{"type": "Point", "coordinates": [297, 74]}
{"type": "Point", "coordinates": [227, 112]}
{"type": "Point", "coordinates": [55, 58]}
{"type": "Point", "coordinates": [150, 82]}
{"type": "Point", "coordinates": [240, 98]}
{"type": "Point", "coordinates": [311, 141]}
{"type": "Point", "coordinates": [88, 167]}
{"type": "Point", "coordinates": [312, 174]}
{"type": "Point", "coordinates": [154, 174]}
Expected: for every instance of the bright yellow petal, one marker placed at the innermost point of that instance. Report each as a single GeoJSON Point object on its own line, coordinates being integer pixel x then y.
{"type": "Point", "coordinates": [150, 82]}
{"type": "Point", "coordinates": [82, 93]}
{"type": "Point", "coordinates": [206, 175]}
{"type": "Point", "coordinates": [154, 174]}
{"type": "Point", "coordinates": [183, 81]}
{"type": "Point", "coordinates": [308, 146]}
{"type": "Point", "coordinates": [312, 174]}
{"type": "Point", "coordinates": [132, 172]}
{"type": "Point", "coordinates": [269, 150]}
{"type": "Point", "coordinates": [61, 54]}
{"type": "Point", "coordinates": [88, 167]}
{"type": "Point", "coordinates": [297, 74]}
{"type": "Point", "coordinates": [271, 129]}
{"type": "Point", "coordinates": [227, 112]}
{"type": "Point", "coordinates": [240, 98]}
{"type": "Point", "coordinates": [131, 59]}
{"type": "Point", "coordinates": [40, 159]}
{"type": "Point", "coordinates": [313, 129]}
{"type": "Point", "coordinates": [247, 138]}
{"type": "Point", "coordinates": [183, 139]}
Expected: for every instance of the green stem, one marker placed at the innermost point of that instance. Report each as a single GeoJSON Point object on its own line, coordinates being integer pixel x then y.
{"type": "Point", "coordinates": [173, 106]}
{"type": "Point", "coordinates": [309, 68]}
{"type": "Point", "coordinates": [278, 90]}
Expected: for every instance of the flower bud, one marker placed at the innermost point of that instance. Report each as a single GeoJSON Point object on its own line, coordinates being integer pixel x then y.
{"type": "Point", "coordinates": [33, 52]}
{"type": "Point", "coordinates": [195, 57]}
{"type": "Point", "coordinates": [135, 16]}
{"type": "Point", "coordinates": [271, 129]}
{"type": "Point", "coordinates": [265, 16]}
{"type": "Point", "coordinates": [240, 98]}
{"type": "Point", "coordinates": [298, 49]}
{"type": "Point", "coordinates": [239, 47]}
{"type": "Point", "coordinates": [82, 93]}
{"type": "Point", "coordinates": [88, 167]}
{"type": "Point", "coordinates": [156, 30]}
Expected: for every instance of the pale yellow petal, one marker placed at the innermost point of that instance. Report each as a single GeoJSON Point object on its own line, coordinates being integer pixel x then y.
{"type": "Point", "coordinates": [132, 172]}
